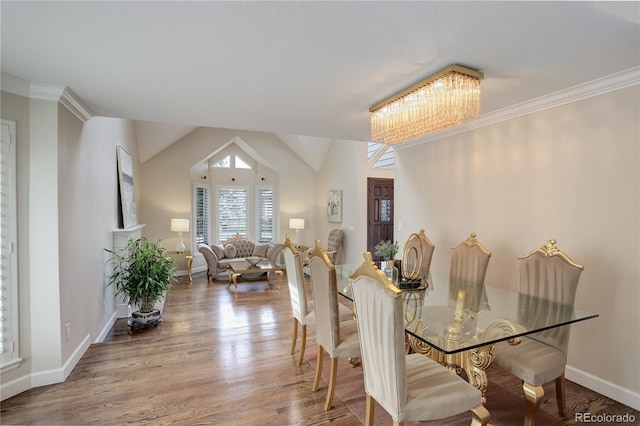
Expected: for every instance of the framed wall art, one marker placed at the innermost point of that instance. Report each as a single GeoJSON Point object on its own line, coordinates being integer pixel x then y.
{"type": "Point", "coordinates": [125, 178]}
{"type": "Point", "coordinates": [334, 205]}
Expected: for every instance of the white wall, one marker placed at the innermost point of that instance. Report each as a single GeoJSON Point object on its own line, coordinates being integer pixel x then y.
{"type": "Point", "coordinates": [67, 210]}
{"type": "Point", "coordinates": [345, 167]}
{"type": "Point", "coordinates": [88, 215]}
{"type": "Point", "coordinates": [571, 173]}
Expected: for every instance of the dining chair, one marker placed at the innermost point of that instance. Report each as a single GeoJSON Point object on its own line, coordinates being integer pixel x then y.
{"type": "Point", "coordinates": [338, 338]}
{"type": "Point", "coordinates": [548, 280]}
{"type": "Point", "coordinates": [467, 271]}
{"type": "Point", "coordinates": [409, 387]}
{"type": "Point", "coordinates": [301, 306]}
{"type": "Point", "coordinates": [417, 255]}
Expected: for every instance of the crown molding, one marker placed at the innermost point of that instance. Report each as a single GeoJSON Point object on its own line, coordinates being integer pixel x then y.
{"type": "Point", "coordinates": [75, 105]}
{"type": "Point", "coordinates": [601, 86]}
{"type": "Point", "coordinates": [47, 92]}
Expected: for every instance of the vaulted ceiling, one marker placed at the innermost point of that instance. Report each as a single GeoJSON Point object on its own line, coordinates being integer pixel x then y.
{"type": "Point", "coordinates": [306, 71]}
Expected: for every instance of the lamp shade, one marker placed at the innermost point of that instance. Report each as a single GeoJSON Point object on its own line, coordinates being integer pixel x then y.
{"type": "Point", "coordinates": [296, 223]}
{"type": "Point", "coordinates": [180, 225]}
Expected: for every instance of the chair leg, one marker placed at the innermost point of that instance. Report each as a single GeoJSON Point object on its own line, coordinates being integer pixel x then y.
{"type": "Point", "coordinates": [398, 423]}
{"type": "Point", "coordinates": [303, 344]}
{"type": "Point", "coordinates": [369, 411]}
{"type": "Point", "coordinates": [480, 416]}
{"type": "Point", "coordinates": [332, 384]}
{"type": "Point", "coordinates": [562, 404]}
{"type": "Point", "coordinates": [533, 395]}
{"type": "Point", "coordinates": [295, 336]}
{"type": "Point", "coordinates": [319, 361]}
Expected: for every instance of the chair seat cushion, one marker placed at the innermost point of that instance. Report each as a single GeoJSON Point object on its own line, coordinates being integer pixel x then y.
{"type": "Point", "coordinates": [344, 314]}
{"type": "Point", "coordinates": [531, 361]}
{"type": "Point", "coordinates": [435, 392]}
{"type": "Point", "coordinates": [349, 346]}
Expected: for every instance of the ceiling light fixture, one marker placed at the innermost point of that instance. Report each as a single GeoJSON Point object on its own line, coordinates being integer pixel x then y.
{"type": "Point", "coordinates": [445, 99]}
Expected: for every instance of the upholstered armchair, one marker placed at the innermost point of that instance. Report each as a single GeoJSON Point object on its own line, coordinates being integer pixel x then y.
{"type": "Point", "coordinates": [334, 244]}
{"type": "Point", "coordinates": [548, 275]}
{"type": "Point", "coordinates": [409, 387]}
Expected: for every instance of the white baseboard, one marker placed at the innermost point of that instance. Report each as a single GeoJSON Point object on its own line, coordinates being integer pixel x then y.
{"type": "Point", "coordinates": [43, 378]}
{"type": "Point", "coordinates": [59, 375]}
{"type": "Point", "coordinates": [105, 331]}
{"type": "Point", "coordinates": [14, 387]}
{"type": "Point", "coordinates": [604, 387]}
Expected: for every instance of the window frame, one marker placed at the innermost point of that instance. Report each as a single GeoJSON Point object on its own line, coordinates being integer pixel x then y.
{"type": "Point", "coordinates": [207, 207]}
{"type": "Point", "coordinates": [10, 335]}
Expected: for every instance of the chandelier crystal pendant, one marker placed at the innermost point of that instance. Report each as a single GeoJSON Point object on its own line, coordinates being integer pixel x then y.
{"type": "Point", "coordinates": [446, 99]}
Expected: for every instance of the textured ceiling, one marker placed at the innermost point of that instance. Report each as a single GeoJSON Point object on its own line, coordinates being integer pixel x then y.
{"type": "Point", "coordinates": [304, 68]}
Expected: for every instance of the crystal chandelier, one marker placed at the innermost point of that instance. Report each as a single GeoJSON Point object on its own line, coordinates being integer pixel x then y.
{"type": "Point", "coordinates": [445, 99]}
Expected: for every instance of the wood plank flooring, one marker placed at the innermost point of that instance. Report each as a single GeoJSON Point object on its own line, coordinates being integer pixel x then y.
{"type": "Point", "coordinates": [217, 358]}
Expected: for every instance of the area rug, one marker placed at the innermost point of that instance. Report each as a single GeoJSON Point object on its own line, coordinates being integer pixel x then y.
{"type": "Point", "coordinates": [506, 408]}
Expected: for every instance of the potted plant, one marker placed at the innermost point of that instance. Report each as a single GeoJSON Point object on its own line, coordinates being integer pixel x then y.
{"type": "Point", "coordinates": [142, 274]}
{"type": "Point", "coordinates": [387, 249]}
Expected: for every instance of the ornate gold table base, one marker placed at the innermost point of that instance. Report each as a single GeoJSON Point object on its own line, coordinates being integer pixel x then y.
{"type": "Point", "coordinates": [474, 362]}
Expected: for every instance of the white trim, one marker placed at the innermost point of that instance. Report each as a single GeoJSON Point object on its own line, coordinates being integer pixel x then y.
{"type": "Point", "coordinates": [106, 329]}
{"type": "Point", "coordinates": [47, 92]}
{"type": "Point", "coordinates": [14, 387]}
{"type": "Point", "coordinates": [604, 387]}
{"type": "Point", "coordinates": [75, 105]}
{"type": "Point", "coordinates": [601, 86]}
{"type": "Point", "coordinates": [58, 375]}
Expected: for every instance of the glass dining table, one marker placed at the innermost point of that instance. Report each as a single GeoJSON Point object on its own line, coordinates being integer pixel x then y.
{"type": "Point", "coordinates": [459, 325]}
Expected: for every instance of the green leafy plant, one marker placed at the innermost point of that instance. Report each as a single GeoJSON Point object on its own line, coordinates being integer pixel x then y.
{"type": "Point", "coordinates": [142, 273]}
{"type": "Point", "coordinates": [386, 249]}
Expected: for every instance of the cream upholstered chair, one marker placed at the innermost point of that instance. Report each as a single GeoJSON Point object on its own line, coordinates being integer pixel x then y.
{"type": "Point", "coordinates": [339, 339]}
{"type": "Point", "coordinates": [469, 261]}
{"type": "Point", "coordinates": [409, 387]}
{"type": "Point", "coordinates": [545, 275]}
{"type": "Point", "coordinates": [301, 307]}
{"type": "Point", "coordinates": [467, 270]}
{"type": "Point", "coordinates": [416, 260]}
{"type": "Point", "coordinates": [334, 244]}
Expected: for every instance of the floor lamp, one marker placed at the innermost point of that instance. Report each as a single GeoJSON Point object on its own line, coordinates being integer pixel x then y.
{"type": "Point", "coordinates": [180, 226]}
{"type": "Point", "coordinates": [296, 224]}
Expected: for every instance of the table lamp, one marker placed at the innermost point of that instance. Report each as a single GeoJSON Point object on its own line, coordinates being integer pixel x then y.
{"type": "Point", "coordinates": [296, 224]}
{"type": "Point", "coordinates": [180, 226]}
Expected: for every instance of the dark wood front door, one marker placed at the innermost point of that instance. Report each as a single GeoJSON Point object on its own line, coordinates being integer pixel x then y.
{"type": "Point", "coordinates": [379, 212]}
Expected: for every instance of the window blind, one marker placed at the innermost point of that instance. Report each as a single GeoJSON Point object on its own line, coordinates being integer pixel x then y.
{"type": "Point", "coordinates": [265, 214]}
{"type": "Point", "coordinates": [201, 211]}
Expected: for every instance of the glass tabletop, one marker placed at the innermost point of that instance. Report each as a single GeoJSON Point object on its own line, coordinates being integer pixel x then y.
{"type": "Point", "coordinates": [475, 315]}
{"type": "Point", "coordinates": [244, 266]}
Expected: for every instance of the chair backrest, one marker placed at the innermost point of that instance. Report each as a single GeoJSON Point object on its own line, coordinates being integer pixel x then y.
{"type": "Point", "coordinates": [325, 299]}
{"type": "Point", "coordinates": [418, 248]}
{"type": "Point", "coordinates": [334, 244]}
{"type": "Point", "coordinates": [295, 279]}
{"type": "Point", "coordinates": [547, 275]}
{"type": "Point", "coordinates": [379, 308]}
{"type": "Point", "coordinates": [469, 261]}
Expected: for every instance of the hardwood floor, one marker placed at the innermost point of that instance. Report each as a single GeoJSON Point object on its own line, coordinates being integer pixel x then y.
{"type": "Point", "coordinates": [216, 358]}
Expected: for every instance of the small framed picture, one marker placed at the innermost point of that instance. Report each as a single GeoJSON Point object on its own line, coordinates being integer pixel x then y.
{"type": "Point", "coordinates": [334, 205]}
